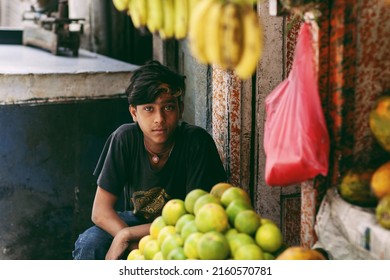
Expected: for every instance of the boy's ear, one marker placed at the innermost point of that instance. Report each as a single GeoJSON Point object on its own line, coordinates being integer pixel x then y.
{"type": "Point", "coordinates": [133, 112]}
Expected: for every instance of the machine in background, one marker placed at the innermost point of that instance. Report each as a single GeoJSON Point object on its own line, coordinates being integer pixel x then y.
{"type": "Point", "coordinates": [52, 29]}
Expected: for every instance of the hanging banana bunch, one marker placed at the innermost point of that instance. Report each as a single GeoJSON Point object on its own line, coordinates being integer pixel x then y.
{"type": "Point", "coordinates": [227, 33]}
{"type": "Point", "coordinates": [167, 18]}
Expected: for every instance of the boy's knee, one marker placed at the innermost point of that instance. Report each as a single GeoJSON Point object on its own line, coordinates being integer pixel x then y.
{"type": "Point", "coordinates": [83, 249]}
{"type": "Point", "coordinates": [93, 244]}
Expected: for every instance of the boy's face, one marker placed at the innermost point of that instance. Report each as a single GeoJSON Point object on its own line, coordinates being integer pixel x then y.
{"type": "Point", "coordinates": [158, 120]}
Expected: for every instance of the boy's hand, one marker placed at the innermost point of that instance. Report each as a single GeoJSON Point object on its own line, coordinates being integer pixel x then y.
{"type": "Point", "coordinates": [126, 239]}
{"type": "Point", "coordinates": [119, 245]}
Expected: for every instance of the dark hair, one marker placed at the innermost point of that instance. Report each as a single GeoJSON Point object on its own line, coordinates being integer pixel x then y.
{"type": "Point", "coordinates": [151, 80]}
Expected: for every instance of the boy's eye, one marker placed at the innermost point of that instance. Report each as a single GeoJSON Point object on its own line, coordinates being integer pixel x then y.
{"type": "Point", "coordinates": [148, 108]}
{"type": "Point", "coordinates": [169, 108]}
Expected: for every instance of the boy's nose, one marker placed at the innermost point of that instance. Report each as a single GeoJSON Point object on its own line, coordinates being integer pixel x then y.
{"type": "Point", "coordinates": [159, 117]}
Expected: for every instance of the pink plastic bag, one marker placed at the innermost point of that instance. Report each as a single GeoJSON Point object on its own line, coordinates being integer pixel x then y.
{"type": "Point", "coordinates": [296, 140]}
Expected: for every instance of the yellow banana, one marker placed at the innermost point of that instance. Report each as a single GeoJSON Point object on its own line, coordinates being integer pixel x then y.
{"type": "Point", "coordinates": [252, 45]}
{"type": "Point", "coordinates": [181, 18]}
{"type": "Point", "coordinates": [143, 11]}
{"type": "Point", "coordinates": [133, 14]}
{"type": "Point", "coordinates": [197, 26]}
{"type": "Point", "coordinates": [192, 4]}
{"type": "Point", "coordinates": [121, 5]}
{"type": "Point", "coordinates": [168, 30]}
{"type": "Point", "coordinates": [232, 34]}
{"type": "Point", "coordinates": [213, 34]}
{"type": "Point", "coordinates": [191, 7]}
{"type": "Point", "coordinates": [138, 12]}
{"type": "Point", "coordinates": [155, 15]}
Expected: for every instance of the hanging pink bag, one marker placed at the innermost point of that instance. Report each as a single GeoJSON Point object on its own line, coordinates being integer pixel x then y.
{"type": "Point", "coordinates": [296, 140]}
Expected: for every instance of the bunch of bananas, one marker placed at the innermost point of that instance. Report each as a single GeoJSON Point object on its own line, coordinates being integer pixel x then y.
{"type": "Point", "coordinates": [167, 18]}
{"type": "Point", "coordinates": [227, 33]}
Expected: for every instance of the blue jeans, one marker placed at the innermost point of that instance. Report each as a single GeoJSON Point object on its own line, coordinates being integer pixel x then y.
{"type": "Point", "coordinates": [94, 243]}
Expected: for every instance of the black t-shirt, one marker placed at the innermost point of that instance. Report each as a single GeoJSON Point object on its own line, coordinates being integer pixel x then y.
{"type": "Point", "coordinates": [124, 165]}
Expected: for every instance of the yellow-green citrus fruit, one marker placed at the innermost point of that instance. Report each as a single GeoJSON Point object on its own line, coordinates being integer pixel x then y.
{"type": "Point", "coordinates": [218, 189]}
{"type": "Point", "coordinates": [213, 245]}
{"type": "Point", "coordinates": [171, 242]}
{"type": "Point", "coordinates": [134, 254]}
{"type": "Point", "coordinates": [158, 256]}
{"type": "Point", "coordinates": [164, 232]}
{"type": "Point", "coordinates": [268, 256]}
{"type": "Point", "coordinates": [266, 221]}
{"type": "Point", "coordinates": [190, 245]}
{"type": "Point", "coordinates": [142, 242]}
{"type": "Point", "coordinates": [173, 210]}
{"type": "Point", "coordinates": [211, 217]}
{"type": "Point", "coordinates": [247, 221]}
{"type": "Point", "coordinates": [177, 254]}
{"type": "Point", "coordinates": [235, 207]}
{"type": "Point", "coordinates": [191, 198]}
{"type": "Point", "coordinates": [150, 249]}
{"type": "Point", "coordinates": [234, 193]}
{"type": "Point", "coordinates": [238, 240]}
{"type": "Point", "coordinates": [188, 228]}
{"type": "Point", "coordinates": [382, 212]}
{"type": "Point", "coordinates": [183, 220]}
{"type": "Point", "coordinates": [205, 199]}
{"type": "Point", "coordinates": [249, 252]}
{"type": "Point", "coordinates": [269, 237]}
{"type": "Point", "coordinates": [155, 227]}
{"type": "Point", "coordinates": [230, 233]}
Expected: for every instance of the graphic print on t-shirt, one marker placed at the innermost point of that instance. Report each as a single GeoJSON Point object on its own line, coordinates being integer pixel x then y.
{"type": "Point", "coordinates": [149, 204]}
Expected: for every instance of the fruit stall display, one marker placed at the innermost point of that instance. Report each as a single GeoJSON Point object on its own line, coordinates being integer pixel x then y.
{"type": "Point", "coordinates": [216, 225]}
{"type": "Point", "coordinates": [354, 218]}
{"type": "Point", "coordinates": [370, 187]}
{"type": "Point", "coordinates": [236, 46]}
{"type": "Point", "coordinates": [233, 25]}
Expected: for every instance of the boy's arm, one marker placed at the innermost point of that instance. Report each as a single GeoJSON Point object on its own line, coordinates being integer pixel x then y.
{"type": "Point", "coordinates": [127, 238]}
{"type": "Point", "coordinates": [104, 214]}
{"type": "Point", "coordinates": [105, 217]}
